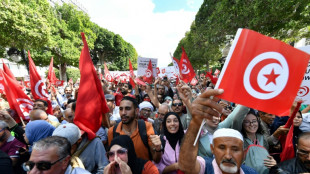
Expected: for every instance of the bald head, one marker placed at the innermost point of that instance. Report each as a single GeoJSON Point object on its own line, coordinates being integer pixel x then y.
{"type": "Point", "coordinates": [38, 114]}
{"type": "Point", "coordinates": [69, 115]}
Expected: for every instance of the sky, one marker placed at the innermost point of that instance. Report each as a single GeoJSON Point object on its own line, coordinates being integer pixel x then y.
{"type": "Point", "coordinates": [153, 27]}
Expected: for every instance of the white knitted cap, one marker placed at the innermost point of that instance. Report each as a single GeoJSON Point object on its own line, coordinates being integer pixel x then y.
{"type": "Point", "coordinates": [227, 132]}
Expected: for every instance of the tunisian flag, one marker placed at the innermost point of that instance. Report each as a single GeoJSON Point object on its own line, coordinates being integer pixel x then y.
{"type": "Point", "coordinates": [262, 73]}
{"type": "Point", "coordinates": [7, 70]}
{"type": "Point", "coordinates": [176, 66]}
{"type": "Point", "coordinates": [51, 73]}
{"type": "Point", "coordinates": [107, 74]}
{"type": "Point", "coordinates": [149, 73]}
{"type": "Point", "coordinates": [91, 103]}
{"type": "Point", "coordinates": [132, 75]}
{"type": "Point", "coordinates": [187, 71]}
{"type": "Point", "coordinates": [17, 99]}
{"type": "Point", "coordinates": [38, 88]}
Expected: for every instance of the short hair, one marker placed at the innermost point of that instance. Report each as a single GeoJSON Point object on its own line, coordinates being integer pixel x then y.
{"type": "Point", "coordinates": [43, 101]}
{"type": "Point", "coordinates": [134, 102]}
{"type": "Point", "coordinates": [129, 85]}
{"type": "Point", "coordinates": [62, 145]}
{"type": "Point", "coordinates": [305, 135]}
{"type": "Point", "coordinates": [67, 87]}
{"type": "Point", "coordinates": [169, 107]}
{"type": "Point", "coordinates": [3, 124]}
{"type": "Point", "coordinates": [73, 106]}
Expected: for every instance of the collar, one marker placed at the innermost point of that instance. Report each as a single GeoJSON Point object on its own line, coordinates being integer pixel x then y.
{"type": "Point", "coordinates": [217, 170]}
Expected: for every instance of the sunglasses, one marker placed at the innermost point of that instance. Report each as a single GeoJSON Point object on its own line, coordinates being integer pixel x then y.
{"type": "Point", "coordinates": [42, 165]}
{"type": "Point", "coordinates": [177, 104]}
{"type": "Point", "coordinates": [120, 151]}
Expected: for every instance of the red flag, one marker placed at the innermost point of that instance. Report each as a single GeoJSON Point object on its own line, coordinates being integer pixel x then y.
{"type": "Point", "coordinates": [149, 73]}
{"type": "Point", "coordinates": [91, 96]}
{"type": "Point", "coordinates": [194, 81]}
{"type": "Point", "coordinates": [70, 81]}
{"type": "Point", "coordinates": [212, 78]}
{"type": "Point", "coordinates": [7, 71]}
{"type": "Point", "coordinates": [187, 70]}
{"type": "Point", "coordinates": [217, 72]}
{"type": "Point", "coordinates": [59, 82]}
{"type": "Point", "coordinates": [38, 88]}
{"type": "Point", "coordinates": [17, 99]}
{"type": "Point", "coordinates": [176, 66]}
{"type": "Point", "coordinates": [107, 74]}
{"type": "Point", "coordinates": [262, 73]}
{"type": "Point", "coordinates": [132, 75]}
{"type": "Point", "coordinates": [51, 74]}
{"type": "Point", "coordinates": [27, 84]}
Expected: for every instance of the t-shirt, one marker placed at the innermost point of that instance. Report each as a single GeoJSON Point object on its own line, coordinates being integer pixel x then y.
{"type": "Point", "coordinates": [140, 148]}
{"type": "Point", "coordinates": [149, 167]}
{"type": "Point", "coordinates": [12, 146]}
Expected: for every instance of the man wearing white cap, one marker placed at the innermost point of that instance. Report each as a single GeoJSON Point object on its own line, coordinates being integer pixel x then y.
{"type": "Point", "coordinates": [227, 144]}
{"type": "Point", "coordinates": [145, 111]}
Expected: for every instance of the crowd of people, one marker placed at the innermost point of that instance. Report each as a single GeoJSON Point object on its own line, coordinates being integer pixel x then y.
{"type": "Point", "coordinates": [152, 129]}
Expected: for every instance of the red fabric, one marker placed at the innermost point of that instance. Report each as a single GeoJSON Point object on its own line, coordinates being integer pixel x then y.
{"type": "Point", "coordinates": [70, 81]}
{"type": "Point", "coordinates": [262, 73]}
{"type": "Point", "coordinates": [38, 88]}
{"type": "Point", "coordinates": [187, 71]}
{"type": "Point", "coordinates": [91, 103]}
{"type": "Point", "coordinates": [194, 81]}
{"type": "Point", "coordinates": [51, 74]}
{"type": "Point", "coordinates": [149, 73]}
{"type": "Point", "coordinates": [107, 74]}
{"type": "Point", "coordinates": [287, 141]}
{"type": "Point", "coordinates": [17, 99]}
{"type": "Point", "coordinates": [7, 70]}
{"type": "Point", "coordinates": [176, 65]}
{"type": "Point", "coordinates": [212, 78]}
{"type": "Point", "coordinates": [217, 72]}
{"type": "Point", "coordinates": [27, 84]}
{"type": "Point", "coordinates": [132, 75]}
{"type": "Point", "coordinates": [60, 83]}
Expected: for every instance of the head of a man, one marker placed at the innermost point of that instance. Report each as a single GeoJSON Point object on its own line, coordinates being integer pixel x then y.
{"type": "Point", "coordinates": [267, 118]}
{"type": "Point", "coordinates": [69, 115]}
{"type": "Point", "coordinates": [50, 155]}
{"type": "Point", "coordinates": [303, 149]}
{"type": "Point", "coordinates": [38, 115]}
{"type": "Point", "coordinates": [160, 89]}
{"type": "Point", "coordinates": [68, 91]}
{"type": "Point", "coordinates": [110, 102]}
{"type": "Point", "coordinates": [227, 148]}
{"type": "Point", "coordinates": [128, 110]}
{"type": "Point", "coordinates": [40, 104]}
{"type": "Point", "coordinates": [162, 111]}
{"type": "Point", "coordinates": [4, 131]}
{"type": "Point", "coordinates": [126, 88]}
{"type": "Point", "coordinates": [177, 106]}
{"type": "Point", "coordinates": [145, 109]}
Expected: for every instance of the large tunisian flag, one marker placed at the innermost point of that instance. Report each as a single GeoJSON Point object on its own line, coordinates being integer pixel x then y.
{"type": "Point", "coordinates": [187, 71]}
{"type": "Point", "coordinates": [262, 73]}
{"type": "Point", "coordinates": [107, 74]}
{"type": "Point", "coordinates": [132, 75]}
{"type": "Point", "coordinates": [91, 103]}
{"type": "Point", "coordinates": [17, 99]}
{"type": "Point", "coordinates": [38, 88]}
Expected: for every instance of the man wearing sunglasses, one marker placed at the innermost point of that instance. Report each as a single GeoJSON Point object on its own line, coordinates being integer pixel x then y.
{"type": "Point", "coordinates": [51, 155]}
{"type": "Point", "coordinates": [177, 107]}
{"type": "Point", "coordinates": [299, 164]}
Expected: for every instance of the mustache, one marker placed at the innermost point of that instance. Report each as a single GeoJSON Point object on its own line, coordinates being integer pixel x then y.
{"type": "Point", "coordinates": [231, 161]}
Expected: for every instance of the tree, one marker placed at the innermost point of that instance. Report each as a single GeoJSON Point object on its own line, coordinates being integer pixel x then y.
{"type": "Point", "coordinates": [218, 20]}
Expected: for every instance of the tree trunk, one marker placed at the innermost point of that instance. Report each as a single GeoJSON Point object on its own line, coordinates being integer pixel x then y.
{"type": "Point", "coordinates": [62, 71]}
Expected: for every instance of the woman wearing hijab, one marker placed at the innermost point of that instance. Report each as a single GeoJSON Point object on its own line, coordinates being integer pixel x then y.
{"type": "Point", "coordinates": [123, 158]}
{"type": "Point", "coordinates": [37, 130]}
{"type": "Point", "coordinates": [172, 139]}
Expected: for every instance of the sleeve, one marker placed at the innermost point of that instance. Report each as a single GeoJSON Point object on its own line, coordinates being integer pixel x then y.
{"type": "Point", "coordinates": [101, 159]}
{"type": "Point", "coordinates": [149, 131]}
{"type": "Point", "coordinates": [102, 134]}
{"type": "Point", "coordinates": [202, 164]}
{"type": "Point", "coordinates": [170, 92]}
{"type": "Point", "coordinates": [149, 167]}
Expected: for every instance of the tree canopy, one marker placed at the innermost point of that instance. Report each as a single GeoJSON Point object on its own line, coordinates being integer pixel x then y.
{"type": "Point", "coordinates": [54, 31]}
{"type": "Point", "coordinates": [217, 22]}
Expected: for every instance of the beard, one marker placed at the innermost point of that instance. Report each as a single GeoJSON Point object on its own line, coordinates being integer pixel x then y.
{"type": "Point", "coordinates": [129, 119]}
{"type": "Point", "coordinates": [227, 169]}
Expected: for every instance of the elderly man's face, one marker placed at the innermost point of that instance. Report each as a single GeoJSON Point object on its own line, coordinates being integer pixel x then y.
{"type": "Point", "coordinates": [48, 155]}
{"type": "Point", "coordinates": [39, 105]}
{"type": "Point", "coordinates": [228, 153]}
{"type": "Point", "coordinates": [303, 151]}
{"type": "Point", "coordinates": [145, 112]}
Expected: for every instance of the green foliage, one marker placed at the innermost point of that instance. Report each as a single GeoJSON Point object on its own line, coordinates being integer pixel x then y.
{"type": "Point", "coordinates": [56, 73]}
{"type": "Point", "coordinates": [73, 73]}
{"type": "Point", "coordinates": [218, 20]}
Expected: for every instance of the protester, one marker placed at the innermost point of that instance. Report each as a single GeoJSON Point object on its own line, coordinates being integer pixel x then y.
{"type": "Point", "coordinates": [299, 164]}
{"type": "Point", "coordinates": [39, 114]}
{"type": "Point", "coordinates": [63, 99]}
{"type": "Point", "coordinates": [162, 111]}
{"type": "Point", "coordinates": [172, 139]}
{"type": "Point", "coordinates": [43, 105]}
{"type": "Point", "coordinates": [52, 155]}
{"type": "Point", "coordinates": [145, 111]}
{"type": "Point", "coordinates": [5, 163]}
{"type": "Point", "coordinates": [123, 158]}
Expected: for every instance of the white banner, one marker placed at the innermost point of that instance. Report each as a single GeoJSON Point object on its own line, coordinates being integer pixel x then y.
{"type": "Point", "coordinates": [143, 64]}
{"type": "Point", "coordinates": [167, 71]}
{"type": "Point", "coordinates": [303, 93]}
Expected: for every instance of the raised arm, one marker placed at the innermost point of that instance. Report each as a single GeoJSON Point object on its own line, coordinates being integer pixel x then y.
{"type": "Point", "coordinates": [202, 108]}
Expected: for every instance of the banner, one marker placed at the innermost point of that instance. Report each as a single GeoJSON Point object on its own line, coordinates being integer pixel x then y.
{"type": "Point", "coordinates": [303, 92]}
{"type": "Point", "coordinates": [142, 66]}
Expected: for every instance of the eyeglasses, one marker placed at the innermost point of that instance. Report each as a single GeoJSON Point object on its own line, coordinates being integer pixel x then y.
{"type": "Point", "coordinates": [303, 153]}
{"type": "Point", "coordinates": [42, 165]}
{"type": "Point", "coordinates": [177, 104]}
{"type": "Point", "coordinates": [247, 123]}
{"type": "Point", "coordinates": [120, 151]}
{"type": "Point", "coordinates": [146, 110]}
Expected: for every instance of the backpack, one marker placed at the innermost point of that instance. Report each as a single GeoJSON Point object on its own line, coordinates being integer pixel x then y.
{"type": "Point", "coordinates": [255, 155]}
{"type": "Point", "coordinates": [142, 133]}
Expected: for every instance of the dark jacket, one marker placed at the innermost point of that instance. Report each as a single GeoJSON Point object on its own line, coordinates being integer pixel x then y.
{"type": "Point", "coordinates": [289, 167]}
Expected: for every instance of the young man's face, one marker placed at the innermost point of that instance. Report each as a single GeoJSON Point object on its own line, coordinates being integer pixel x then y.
{"type": "Point", "coordinates": [127, 111]}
